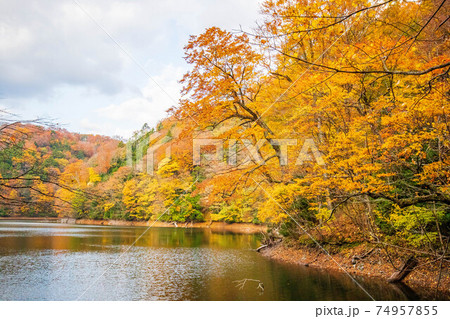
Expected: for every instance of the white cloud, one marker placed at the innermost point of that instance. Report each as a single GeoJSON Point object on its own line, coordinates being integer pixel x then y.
{"type": "Point", "coordinates": [150, 107]}
{"type": "Point", "coordinates": [52, 55]}
{"type": "Point", "coordinates": [104, 128]}
{"type": "Point", "coordinates": [130, 110]}
{"type": "Point", "coordinates": [46, 47]}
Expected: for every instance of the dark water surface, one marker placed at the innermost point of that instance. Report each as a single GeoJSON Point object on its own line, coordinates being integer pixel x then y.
{"type": "Point", "coordinates": [50, 261]}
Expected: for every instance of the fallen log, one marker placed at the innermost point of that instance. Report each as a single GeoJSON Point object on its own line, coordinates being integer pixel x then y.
{"type": "Point", "coordinates": [404, 271]}
{"type": "Point", "coordinates": [270, 243]}
{"type": "Point", "coordinates": [261, 247]}
{"type": "Point", "coordinates": [363, 256]}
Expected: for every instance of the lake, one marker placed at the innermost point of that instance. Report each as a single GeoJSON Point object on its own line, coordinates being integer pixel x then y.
{"type": "Point", "coordinates": [51, 261]}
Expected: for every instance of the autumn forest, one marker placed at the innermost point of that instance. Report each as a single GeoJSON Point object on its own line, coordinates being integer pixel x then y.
{"type": "Point", "coordinates": [360, 89]}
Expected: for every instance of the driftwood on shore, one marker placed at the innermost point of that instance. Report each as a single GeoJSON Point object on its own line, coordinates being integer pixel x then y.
{"type": "Point", "coordinates": [404, 271]}
{"type": "Point", "coordinates": [271, 238]}
{"type": "Point", "coordinates": [269, 244]}
{"type": "Point", "coordinates": [261, 248]}
{"type": "Point", "coordinates": [355, 258]}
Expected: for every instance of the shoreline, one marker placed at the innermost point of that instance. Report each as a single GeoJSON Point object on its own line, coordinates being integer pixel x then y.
{"type": "Point", "coordinates": [422, 281]}
{"type": "Point", "coordinates": [238, 228]}
{"type": "Point", "coordinates": [30, 218]}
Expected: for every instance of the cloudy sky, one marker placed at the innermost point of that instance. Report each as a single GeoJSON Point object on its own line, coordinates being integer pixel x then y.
{"type": "Point", "coordinates": [103, 66]}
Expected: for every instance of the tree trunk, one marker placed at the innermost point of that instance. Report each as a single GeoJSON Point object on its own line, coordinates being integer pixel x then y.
{"type": "Point", "coordinates": [363, 256]}
{"type": "Point", "coordinates": [404, 271]}
{"type": "Point", "coordinates": [261, 248]}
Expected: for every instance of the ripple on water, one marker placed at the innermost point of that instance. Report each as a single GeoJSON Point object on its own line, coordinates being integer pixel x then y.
{"type": "Point", "coordinates": [64, 262]}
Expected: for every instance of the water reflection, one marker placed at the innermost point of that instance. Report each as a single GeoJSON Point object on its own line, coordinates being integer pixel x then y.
{"type": "Point", "coordinates": [45, 261]}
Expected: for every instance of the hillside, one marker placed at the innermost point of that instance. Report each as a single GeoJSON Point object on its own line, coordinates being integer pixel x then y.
{"type": "Point", "coordinates": [39, 163]}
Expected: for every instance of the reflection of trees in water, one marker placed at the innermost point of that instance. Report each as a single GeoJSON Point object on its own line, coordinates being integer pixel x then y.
{"type": "Point", "coordinates": [169, 263]}
{"type": "Point", "coordinates": [191, 237]}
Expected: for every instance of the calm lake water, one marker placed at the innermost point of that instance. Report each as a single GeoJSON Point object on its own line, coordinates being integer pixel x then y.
{"type": "Point", "coordinates": [50, 261]}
